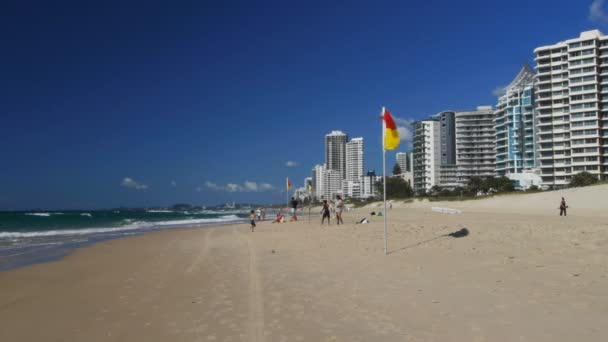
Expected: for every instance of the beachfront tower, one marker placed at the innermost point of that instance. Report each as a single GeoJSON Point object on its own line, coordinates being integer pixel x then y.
{"type": "Point", "coordinates": [354, 160]}
{"type": "Point", "coordinates": [514, 125]}
{"type": "Point", "coordinates": [369, 184]}
{"type": "Point", "coordinates": [571, 107]}
{"type": "Point", "coordinates": [426, 152]}
{"type": "Point", "coordinates": [318, 173]}
{"type": "Point", "coordinates": [403, 160]}
{"type": "Point", "coordinates": [351, 186]}
{"type": "Point", "coordinates": [448, 176]}
{"type": "Point", "coordinates": [475, 144]}
{"type": "Point", "coordinates": [335, 152]}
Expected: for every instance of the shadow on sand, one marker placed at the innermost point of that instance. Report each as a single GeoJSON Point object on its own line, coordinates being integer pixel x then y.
{"type": "Point", "coordinates": [457, 234]}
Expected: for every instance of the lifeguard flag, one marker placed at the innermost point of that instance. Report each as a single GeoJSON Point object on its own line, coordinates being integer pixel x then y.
{"type": "Point", "coordinates": [288, 184]}
{"type": "Point", "coordinates": [391, 135]}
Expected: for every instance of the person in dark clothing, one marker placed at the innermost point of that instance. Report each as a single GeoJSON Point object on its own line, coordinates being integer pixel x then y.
{"type": "Point", "coordinates": [294, 206]}
{"type": "Point", "coordinates": [325, 212]}
{"type": "Point", "coordinates": [252, 220]}
{"type": "Point", "coordinates": [562, 207]}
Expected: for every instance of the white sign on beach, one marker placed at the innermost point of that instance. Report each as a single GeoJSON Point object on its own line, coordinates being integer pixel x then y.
{"type": "Point", "coordinates": [446, 210]}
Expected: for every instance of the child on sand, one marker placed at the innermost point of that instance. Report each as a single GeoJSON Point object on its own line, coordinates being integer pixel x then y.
{"type": "Point", "coordinates": [325, 212]}
{"type": "Point", "coordinates": [252, 220]}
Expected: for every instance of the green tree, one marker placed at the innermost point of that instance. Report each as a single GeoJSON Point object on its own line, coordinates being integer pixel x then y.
{"type": "Point", "coordinates": [498, 184]}
{"type": "Point", "coordinates": [435, 190]}
{"type": "Point", "coordinates": [396, 169]}
{"type": "Point", "coordinates": [396, 188]}
{"type": "Point", "coordinates": [474, 185]}
{"type": "Point", "coordinates": [583, 179]}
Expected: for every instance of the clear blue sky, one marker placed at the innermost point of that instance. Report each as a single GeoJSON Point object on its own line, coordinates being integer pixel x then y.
{"type": "Point", "coordinates": [178, 95]}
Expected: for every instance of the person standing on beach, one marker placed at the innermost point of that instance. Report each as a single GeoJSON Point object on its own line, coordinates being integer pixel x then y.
{"type": "Point", "coordinates": [263, 214]}
{"type": "Point", "coordinates": [294, 206]}
{"type": "Point", "coordinates": [562, 207]}
{"type": "Point", "coordinates": [252, 220]}
{"type": "Point", "coordinates": [325, 212]}
{"type": "Point", "coordinates": [339, 208]}
{"type": "Point", "coordinates": [258, 214]}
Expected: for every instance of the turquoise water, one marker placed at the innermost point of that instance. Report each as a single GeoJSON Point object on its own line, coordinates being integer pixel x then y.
{"type": "Point", "coordinates": [28, 237]}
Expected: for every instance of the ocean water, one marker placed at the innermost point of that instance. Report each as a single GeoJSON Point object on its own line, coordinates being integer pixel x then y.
{"type": "Point", "coordinates": [28, 237]}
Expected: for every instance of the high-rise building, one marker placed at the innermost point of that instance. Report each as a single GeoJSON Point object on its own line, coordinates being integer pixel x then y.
{"type": "Point", "coordinates": [514, 124]}
{"type": "Point", "coordinates": [352, 189]}
{"type": "Point", "coordinates": [332, 184]}
{"type": "Point", "coordinates": [475, 144]}
{"type": "Point", "coordinates": [318, 172]}
{"type": "Point", "coordinates": [451, 147]}
{"type": "Point", "coordinates": [447, 137]}
{"type": "Point", "coordinates": [354, 160]}
{"type": "Point", "coordinates": [448, 173]}
{"type": "Point", "coordinates": [426, 154]}
{"type": "Point", "coordinates": [571, 116]}
{"type": "Point", "coordinates": [335, 152]}
{"type": "Point", "coordinates": [403, 160]}
{"type": "Point", "coordinates": [369, 190]}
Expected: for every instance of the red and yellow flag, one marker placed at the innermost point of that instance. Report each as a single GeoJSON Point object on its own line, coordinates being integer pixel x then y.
{"type": "Point", "coordinates": [288, 184]}
{"type": "Point", "coordinates": [391, 135]}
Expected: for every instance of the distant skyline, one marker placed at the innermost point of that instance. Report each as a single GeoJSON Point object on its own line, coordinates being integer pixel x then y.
{"type": "Point", "coordinates": [155, 103]}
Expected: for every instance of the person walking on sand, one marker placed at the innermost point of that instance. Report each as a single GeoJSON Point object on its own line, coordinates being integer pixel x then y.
{"type": "Point", "coordinates": [252, 220]}
{"type": "Point", "coordinates": [294, 206]}
{"type": "Point", "coordinates": [339, 208]}
{"type": "Point", "coordinates": [325, 212]}
{"type": "Point", "coordinates": [562, 207]}
{"type": "Point", "coordinates": [263, 214]}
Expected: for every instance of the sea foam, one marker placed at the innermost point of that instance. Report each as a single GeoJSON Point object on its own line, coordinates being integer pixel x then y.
{"type": "Point", "coordinates": [131, 226]}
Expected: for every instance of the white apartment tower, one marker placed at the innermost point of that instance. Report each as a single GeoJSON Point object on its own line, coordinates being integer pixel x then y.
{"type": "Point", "coordinates": [335, 152]}
{"type": "Point", "coordinates": [318, 172]}
{"type": "Point", "coordinates": [572, 108]}
{"type": "Point", "coordinates": [475, 143]}
{"type": "Point", "coordinates": [354, 160]}
{"type": "Point", "coordinates": [426, 154]}
{"type": "Point", "coordinates": [332, 184]}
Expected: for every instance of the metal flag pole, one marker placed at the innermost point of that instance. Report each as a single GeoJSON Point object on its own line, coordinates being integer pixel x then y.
{"type": "Point", "coordinates": [309, 207]}
{"type": "Point", "coordinates": [384, 179]}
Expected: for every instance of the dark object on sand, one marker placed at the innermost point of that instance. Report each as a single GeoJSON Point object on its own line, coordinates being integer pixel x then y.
{"type": "Point", "coordinates": [273, 251]}
{"type": "Point", "coordinates": [373, 213]}
{"type": "Point", "coordinates": [459, 233]}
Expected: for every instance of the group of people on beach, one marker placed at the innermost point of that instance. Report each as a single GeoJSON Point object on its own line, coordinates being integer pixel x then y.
{"type": "Point", "coordinates": [260, 214]}
{"type": "Point", "coordinates": [327, 209]}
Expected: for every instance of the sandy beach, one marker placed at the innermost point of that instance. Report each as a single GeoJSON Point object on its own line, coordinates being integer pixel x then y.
{"type": "Point", "coordinates": [522, 274]}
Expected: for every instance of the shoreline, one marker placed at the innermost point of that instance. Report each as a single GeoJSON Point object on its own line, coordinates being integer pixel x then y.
{"type": "Point", "coordinates": [55, 251]}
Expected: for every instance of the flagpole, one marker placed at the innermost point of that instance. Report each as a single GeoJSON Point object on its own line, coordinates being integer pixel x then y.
{"type": "Point", "coordinates": [384, 180]}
